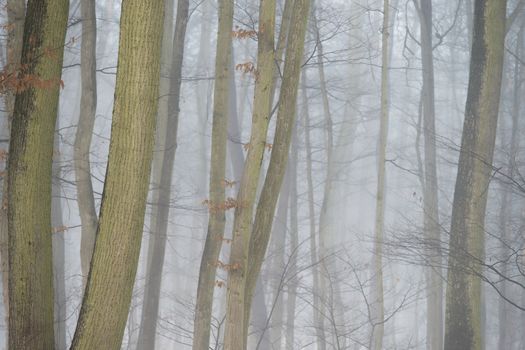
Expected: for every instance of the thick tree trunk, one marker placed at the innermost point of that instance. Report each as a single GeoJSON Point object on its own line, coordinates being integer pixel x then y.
{"type": "Point", "coordinates": [260, 233]}
{"type": "Point", "coordinates": [15, 17]}
{"type": "Point", "coordinates": [86, 122]}
{"type": "Point", "coordinates": [377, 306]}
{"type": "Point", "coordinates": [29, 190]}
{"type": "Point", "coordinates": [463, 326]}
{"type": "Point", "coordinates": [430, 191]}
{"type": "Point", "coordinates": [235, 337]}
{"type": "Point", "coordinates": [113, 267]}
{"type": "Point", "coordinates": [159, 225]}
{"type": "Point", "coordinates": [216, 202]}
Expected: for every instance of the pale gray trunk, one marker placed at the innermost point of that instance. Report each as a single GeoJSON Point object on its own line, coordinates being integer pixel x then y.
{"type": "Point", "coordinates": [430, 190]}
{"type": "Point", "coordinates": [317, 316]}
{"type": "Point", "coordinates": [86, 122]}
{"type": "Point", "coordinates": [59, 250]}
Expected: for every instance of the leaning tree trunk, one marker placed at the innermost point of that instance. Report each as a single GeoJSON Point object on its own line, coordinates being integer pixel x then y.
{"type": "Point", "coordinates": [158, 236]}
{"type": "Point", "coordinates": [113, 267]}
{"type": "Point", "coordinates": [235, 336]}
{"type": "Point", "coordinates": [378, 312]}
{"type": "Point", "coordinates": [86, 122]}
{"type": "Point", "coordinates": [216, 202]}
{"type": "Point", "coordinates": [463, 326]}
{"type": "Point", "coordinates": [29, 190]}
{"type": "Point", "coordinates": [260, 233]}
{"type": "Point", "coordinates": [430, 191]}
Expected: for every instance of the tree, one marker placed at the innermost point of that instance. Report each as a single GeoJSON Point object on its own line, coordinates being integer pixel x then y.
{"type": "Point", "coordinates": [286, 114]}
{"type": "Point", "coordinates": [114, 263]}
{"type": "Point", "coordinates": [86, 122]}
{"type": "Point", "coordinates": [215, 234]}
{"type": "Point", "coordinates": [463, 326]}
{"type": "Point", "coordinates": [15, 17]}
{"type": "Point", "coordinates": [376, 339]}
{"type": "Point", "coordinates": [29, 177]}
{"type": "Point", "coordinates": [159, 224]}
{"type": "Point", "coordinates": [430, 183]}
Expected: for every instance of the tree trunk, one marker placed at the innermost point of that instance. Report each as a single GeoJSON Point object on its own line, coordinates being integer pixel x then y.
{"type": "Point", "coordinates": [86, 122]}
{"type": "Point", "coordinates": [15, 17]}
{"type": "Point", "coordinates": [463, 326]}
{"type": "Point", "coordinates": [216, 203]}
{"type": "Point", "coordinates": [109, 287]}
{"type": "Point", "coordinates": [260, 233]}
{"type": "Point", "coordinates": [159, 225]}
{"type": "Point", "coordinates": [235, 336]}
{"type": "Point", "coordinates": [294, 246]}
{"type": "Point", "coordinates": [430, 190]}
{"type": "Point", "coordinates": [59, 251]}
{"type": "Point", "coordinates": [29, 190]}
{"type": "Point", "coordinates": [318, 319]}
{"type": "Point", "coordinates": [377, 306]}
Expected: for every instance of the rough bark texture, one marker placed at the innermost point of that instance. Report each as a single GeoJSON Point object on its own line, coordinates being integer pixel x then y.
{"type": "Point", "coordinates": [235, 337]}
{"type": "Point", "coordinates": [463, 326]}
{"type": "Point", "coordinates": [29, 194]}
{"type": "Point", "coordinates": [15, 16]}
{"type": "Point", "coordinates": [113, 267]}
{"type": "Point", "coordinates": [216, 222]}
{"type": "Point", "coordinates": [280, 148]}
{"type": "Point", "coordinates": [377, 306]}
{"type": "Point", "coordinates": [157, 242]}
{"type": "Point", "coordinates": [86, 122]}
{"type": "Point", "coordinates": [430, 191]}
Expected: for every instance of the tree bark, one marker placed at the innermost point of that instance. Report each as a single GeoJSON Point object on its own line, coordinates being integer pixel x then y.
{"type": "Point", "coordinates": [235, 337]}
{"type": "Point", "coordinates": [29, 176]}
{"type": "Point", "coordinates": [159, 225]}
{"type": "Point", "coordinates": [109, 287]}
{"type": "Point", "coordinates": [15, 17]}
{"type": "Point", "coordinates": [260, 233]}
{"type": "Point", "coordinates": [463, 326]}
{"type": "Point", "coordinates": [216, 204]}
{"type": "Point", "coordinates": [86, 122]}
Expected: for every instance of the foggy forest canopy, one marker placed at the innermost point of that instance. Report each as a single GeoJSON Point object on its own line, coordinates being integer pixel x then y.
{"type": "Point", "coordinates": [273, 174]}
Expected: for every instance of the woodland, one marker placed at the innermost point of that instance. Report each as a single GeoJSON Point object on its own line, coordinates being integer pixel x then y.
{"type": "Point", "coordinates": [260, 175]}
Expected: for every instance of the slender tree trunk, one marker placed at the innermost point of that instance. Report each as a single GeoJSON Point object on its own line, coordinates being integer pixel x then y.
{"type": "Point", "coordinates": [214, 238]}
{"type": "Point", "coordinates": [29, 190]}
{"type": "Point", "coordinates": [506, 200]}
{"type": "Point", "coordinates": [463, 326]}
{"type": "Point", "coordinates": [237, 318]}
{"type": "Point", "coordinates": [159, 225]}
{"type": "Point", "coordinates": [59, 250]}
{"type": "Point", "coordinates": [86, 122]}
{"type": "Point", "coordinates": [280, 149]}
{"type": "Point", "coordinates": [430, 191]}
{"type": "Point", "coordinates": [294, 246]}
{"type": "Point", "coordinates": [113, 267]}
{"type": "Point", "coordinates": [317, 316]}
{"type": "Point", "coordinates": [15, 17]}
{"type": "Point", "coordinates": [378, 303]}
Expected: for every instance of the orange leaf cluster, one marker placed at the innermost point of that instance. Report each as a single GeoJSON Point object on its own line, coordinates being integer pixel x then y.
{"type": "Point", "coordinates": [247, 68]}
{"type": "Point", "coordinates": [220, 284]}
{"type": "Point", "coordinates": [228, 204]}
{"type": "Point", "coordinates": [227, 267]}
{"type": "Point", "coordinates": [240, 33]}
